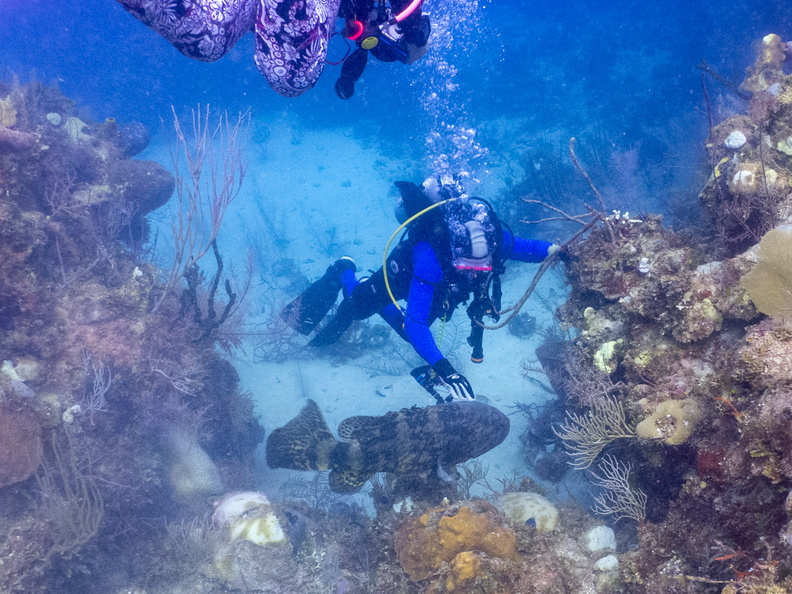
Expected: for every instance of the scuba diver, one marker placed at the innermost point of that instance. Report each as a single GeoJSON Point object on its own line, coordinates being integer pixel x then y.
{"type": "Point", "coordinates": [376, 31]}
{"type": "Point", "coordinates": [455, 247]}
{"type": "Point", "coordinates": [291, 35]}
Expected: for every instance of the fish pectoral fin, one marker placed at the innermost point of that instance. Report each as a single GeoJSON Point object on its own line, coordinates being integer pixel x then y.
{"type": "Point", "coordinates": [348, 481]}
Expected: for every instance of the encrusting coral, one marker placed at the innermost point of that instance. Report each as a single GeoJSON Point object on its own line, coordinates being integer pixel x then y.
{"type": "Point", "coordinates": [438, 536]}
{"type": "Point", "coordinates": [470, 547]}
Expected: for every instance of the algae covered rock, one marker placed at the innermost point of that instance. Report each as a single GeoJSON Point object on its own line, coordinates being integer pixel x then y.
{"type": "Point", "coordinates": [20, 443]}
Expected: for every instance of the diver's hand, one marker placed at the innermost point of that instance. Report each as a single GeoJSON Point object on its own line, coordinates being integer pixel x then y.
{"type": "Point", "coordinates": [454, 381]}
{"type": "Point", "coordinates": [559, 251]}
{"type": "Point", "coordinates": [428, 379]}
{"type": "Point", "coordinates": [415, 52]}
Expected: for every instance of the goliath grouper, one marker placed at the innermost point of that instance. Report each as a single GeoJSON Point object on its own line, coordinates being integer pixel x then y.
{"type": "Point", "coordinates": [410, 440]}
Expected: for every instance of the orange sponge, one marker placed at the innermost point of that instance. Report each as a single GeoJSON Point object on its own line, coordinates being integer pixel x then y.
{"type": "Point", "coordinates": [424, 543]}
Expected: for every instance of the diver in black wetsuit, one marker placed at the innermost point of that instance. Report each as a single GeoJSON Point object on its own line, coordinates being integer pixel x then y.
{"type": "Point", "coordinates": [378, 30]}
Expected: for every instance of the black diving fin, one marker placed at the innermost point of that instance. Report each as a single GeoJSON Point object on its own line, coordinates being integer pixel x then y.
{"type": "Point", "coordinates": [306, 311]}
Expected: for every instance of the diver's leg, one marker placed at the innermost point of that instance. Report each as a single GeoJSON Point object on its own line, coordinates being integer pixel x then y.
{"type": "Point", "coordinates": [364, 301]}
{"type": "Point", "coordinates": [391, 312]}
{"type": "Point", "coordinates": [291, 42]}
{"type": "Point", "coordinates": [306, 311]}
{"type": "Point", "coordinates": [200, 29]}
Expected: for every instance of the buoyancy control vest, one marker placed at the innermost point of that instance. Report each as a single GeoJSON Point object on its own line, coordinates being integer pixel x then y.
{"type": "Point", "coordinates": [456, 231]}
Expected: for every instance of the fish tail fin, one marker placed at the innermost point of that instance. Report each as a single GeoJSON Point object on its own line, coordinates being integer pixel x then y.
{"type": "Point", "coordinates": [304, 443]}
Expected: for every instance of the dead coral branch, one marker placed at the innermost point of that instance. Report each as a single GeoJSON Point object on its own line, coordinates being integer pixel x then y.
{"type": "Point", "coordinates": [12, 141]}
{"type": "Point", "coordinates": [209, 168]}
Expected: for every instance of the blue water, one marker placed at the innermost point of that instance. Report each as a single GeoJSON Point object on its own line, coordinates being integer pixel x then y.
{"type": "Point", "coordinates": [627, 64]}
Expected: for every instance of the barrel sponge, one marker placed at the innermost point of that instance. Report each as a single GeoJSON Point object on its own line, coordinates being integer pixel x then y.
{"type": "Point", "coordinates": [768, 282]}
{"type": "Point", "coordinates": [673, 421]}
{"type": "Point", "coordinates": [423, 544]}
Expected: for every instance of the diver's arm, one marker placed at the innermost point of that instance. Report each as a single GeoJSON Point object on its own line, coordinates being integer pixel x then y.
{"type": "Point", "coordinates": [427, 274]}
{"type": "Point", "coordinates": [524, 250]}
{"type": "Point", "coordinates": [415, 27]}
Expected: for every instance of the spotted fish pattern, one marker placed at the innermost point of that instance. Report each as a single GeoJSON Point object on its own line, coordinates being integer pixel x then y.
{"type": "Point", "coordinates": [403, 442]}
{"type": "Point", "coordinates": [291, 35]}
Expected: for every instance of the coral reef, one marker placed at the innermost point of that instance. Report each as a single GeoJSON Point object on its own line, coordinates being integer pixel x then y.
{"type": "Point", "coordinates": [102, 398]}
{"type": "Point", "coordinates": [120, 422]}
{"type": "Point", "coordinates": [680, 344]}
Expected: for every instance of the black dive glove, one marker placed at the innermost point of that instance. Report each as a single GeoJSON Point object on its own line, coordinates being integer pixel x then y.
{"type": "Point", "coordinates": [454, 381]}
{"type": "Point", "coordinates": [427, 379]}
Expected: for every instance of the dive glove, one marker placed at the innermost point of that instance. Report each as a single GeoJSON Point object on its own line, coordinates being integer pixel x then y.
{"type": "Point", "coordinates": [560, 251]}
{"type": "Point", "coordinates": [454, 381]}
{"type": "Point", "coordinates": [427, 379]}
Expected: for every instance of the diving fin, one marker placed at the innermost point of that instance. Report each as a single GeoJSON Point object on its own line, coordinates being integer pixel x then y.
{"type": "Point", "coordinates": [306, 311]}
{"type": "Point", "coordinates": [335, 328]}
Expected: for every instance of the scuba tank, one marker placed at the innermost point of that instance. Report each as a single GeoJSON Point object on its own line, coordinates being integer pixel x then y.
{"type": "Point", "coordinates": [466, 236]}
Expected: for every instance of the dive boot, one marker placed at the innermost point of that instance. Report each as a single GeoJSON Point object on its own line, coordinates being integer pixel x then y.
{"type": "Point", "coordinates": [306, 311]}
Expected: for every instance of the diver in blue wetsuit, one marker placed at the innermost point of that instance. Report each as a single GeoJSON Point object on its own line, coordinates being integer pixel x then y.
{"type": "Point", "coordinates": [450, 254]}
